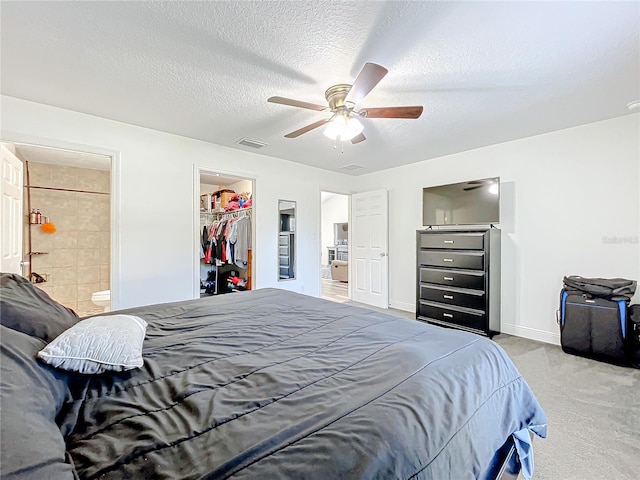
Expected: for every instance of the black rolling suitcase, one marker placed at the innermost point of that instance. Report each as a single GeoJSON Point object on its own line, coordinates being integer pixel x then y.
{"type": "Point", "coordinates": [633, 336]}
{"type": "Point", "coordinates": [593, 327]}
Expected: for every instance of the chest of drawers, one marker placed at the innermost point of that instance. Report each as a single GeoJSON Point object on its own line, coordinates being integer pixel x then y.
{"type": "Point", "coordinates": [458, 279]}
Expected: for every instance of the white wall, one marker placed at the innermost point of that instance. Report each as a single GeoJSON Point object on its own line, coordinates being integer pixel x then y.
{"type": "Point", "coordinates": [154, 191]}
{"type": "Point", "coordinates": [334, 210]}
{"type": "Point", "coordinates": [570, 204]}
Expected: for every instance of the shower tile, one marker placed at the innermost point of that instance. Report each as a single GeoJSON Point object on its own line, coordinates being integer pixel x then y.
{"type": "Point", "coordinates": [104, 223]}
{"type": "Point", "coordinates": [65, 257]}
{"type": "Point", "coordinates": [41, 242]}
{"type": "Point", "coordinates": [94, 180]}
{"type": "Point", "coordinates": [105, 239]}
{"type": "Point", "coordinates": [39, 262]}
{"type": "Point", "coordinates": [64, 276]}
{"type": "Point", "coordinates": [89, 274]}
{"type": "Point", "coordinates": [40, 174]}
{"type": "Point", "coordinates": [88, 223]}
{"type": "Point", "coordinates": [89, 239]}
{"type": "Point", "coordinates": [88, 256]}
{"type": "Point", "coordinates": [85, 291]}
{"type": "Point", "coordinates": [105, 256]}
{"type": "Point", "coordinates": [88, 202]}
{"type": "Point", "coordinates": [65, 238]}
{"type": "Point", "coordinates": [64, 177]}
{"type": "Point", "coordinates": [105, 274]}
{"type": "Point", "coordinates": [65, 293]}
{"type": "Point", "coordinates": [58, 204]}
{"type": "Point", "coordinates": [104, 182]}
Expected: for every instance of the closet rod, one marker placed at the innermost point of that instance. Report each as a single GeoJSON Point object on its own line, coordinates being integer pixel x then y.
{"type": "Point", "coordinates": [66, 190]}
{"type": "Point", "coordinates": [243, 212]}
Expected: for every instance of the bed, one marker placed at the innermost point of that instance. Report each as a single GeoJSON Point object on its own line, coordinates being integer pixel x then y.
{"type": "Point", "coordinates": [268, 384]}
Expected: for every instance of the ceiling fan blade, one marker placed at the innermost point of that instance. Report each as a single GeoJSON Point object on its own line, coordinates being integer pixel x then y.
{"type": "Point", "coordinates": [468, 189]}
{"type": "Point", "coordinates": [306, 129]}
{"type": "Point", "coordinates": [358, 138]}
{"type": "Point", "coordinates": [368, 78]}
{"type": "Point", "coordinates": [296, 103]}
{"type": "Point", "coordinates": [392, 112]}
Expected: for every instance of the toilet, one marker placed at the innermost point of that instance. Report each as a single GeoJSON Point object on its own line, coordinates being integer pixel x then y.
{"type": "Point", "coordinates": [102, 299]}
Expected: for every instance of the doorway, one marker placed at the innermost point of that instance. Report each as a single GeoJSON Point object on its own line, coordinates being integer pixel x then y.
{"type": "Point", "coordinates": [225, 233]}
{"type": "Point", "coordinates": [64, 229]}
{"type": "Point", "coordinates": [334, 268]}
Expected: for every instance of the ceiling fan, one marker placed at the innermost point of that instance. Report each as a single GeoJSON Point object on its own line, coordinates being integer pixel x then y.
{"type": "Point", "coordinates": [343, 99]}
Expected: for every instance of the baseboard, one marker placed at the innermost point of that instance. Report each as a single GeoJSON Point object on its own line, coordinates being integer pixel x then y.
{"type": "Point", "coordinates": [530, 333]}
{"type": "Point", "coordinates": [407, 307]}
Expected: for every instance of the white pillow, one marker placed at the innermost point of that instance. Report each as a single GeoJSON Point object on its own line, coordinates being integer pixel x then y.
{"type": "Point", "coordinates": [98, 344]}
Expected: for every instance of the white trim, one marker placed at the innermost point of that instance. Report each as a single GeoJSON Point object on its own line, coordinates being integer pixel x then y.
{"type": "Point", "coordinates": [115, 279]}
{"type": "Point", "coordinates": [404, 306]}
{"type": "Point", "coordinates": [530, 333]}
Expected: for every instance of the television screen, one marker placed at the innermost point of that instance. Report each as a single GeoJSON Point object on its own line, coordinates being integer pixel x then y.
{"type": "Point", "coordinates": [476, 202]}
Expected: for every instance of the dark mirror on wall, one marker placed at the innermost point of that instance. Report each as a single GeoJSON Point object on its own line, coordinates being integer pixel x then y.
{"type": "Point", "coordinates": [286, 239]}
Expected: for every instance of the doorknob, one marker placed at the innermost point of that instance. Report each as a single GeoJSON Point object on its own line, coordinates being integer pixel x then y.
{"type": "Point", "coordinates": [382, 254]}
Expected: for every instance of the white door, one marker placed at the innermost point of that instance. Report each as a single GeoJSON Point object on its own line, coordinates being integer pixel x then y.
{"type": "Point", "coordinates": [369, 264]}
{"type": "Point", "coordinates": [11, 223]}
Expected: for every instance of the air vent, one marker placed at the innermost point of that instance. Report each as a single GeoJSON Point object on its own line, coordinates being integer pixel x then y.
{"type": "Point", "coordinates": [352, 166]}
{"type": "Point", "coordinates": [247, 142]}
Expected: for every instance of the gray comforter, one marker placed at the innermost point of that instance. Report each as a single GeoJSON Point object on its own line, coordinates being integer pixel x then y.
{"type": "Point", "coordinates": [271, 384]}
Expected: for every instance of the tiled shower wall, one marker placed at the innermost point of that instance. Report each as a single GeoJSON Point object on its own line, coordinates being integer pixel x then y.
{"type": "Point", "coordinates": [78, 254]}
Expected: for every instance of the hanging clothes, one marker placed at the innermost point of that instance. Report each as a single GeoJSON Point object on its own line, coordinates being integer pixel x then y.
{"type": "Point", "coordinates": [242, 241]}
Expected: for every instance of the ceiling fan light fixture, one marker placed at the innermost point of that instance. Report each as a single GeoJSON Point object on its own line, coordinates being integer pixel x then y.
{"type": "Point", "coordinates": [343, 127]}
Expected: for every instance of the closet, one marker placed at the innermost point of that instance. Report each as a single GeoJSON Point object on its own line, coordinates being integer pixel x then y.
{"type": "Point", "coordinates": [225, 234]}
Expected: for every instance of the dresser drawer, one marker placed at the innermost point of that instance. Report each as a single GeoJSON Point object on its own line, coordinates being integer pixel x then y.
{"type": "Point", "coordinates": [452, 259]}
{"type": "Point", "coordinates": [454, 315]}
{"type": "Point", "coordinates": [460, 241]}
{"type": "Point", "coordinates": [453, 296]}
{"type": "Point", "coordinates": [284, 260]}
{"type": "Point", "coordinates": [462, 279]}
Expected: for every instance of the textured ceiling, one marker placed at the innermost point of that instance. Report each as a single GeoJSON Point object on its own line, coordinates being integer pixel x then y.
{"type": "Point", "coordinates": [486, 72]}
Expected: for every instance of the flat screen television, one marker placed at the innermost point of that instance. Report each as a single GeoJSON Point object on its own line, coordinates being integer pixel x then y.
{"type": "Point", "coordinates": [476, 202]}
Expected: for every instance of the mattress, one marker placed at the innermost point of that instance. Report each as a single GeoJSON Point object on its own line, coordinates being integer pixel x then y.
{"type": "Point", "coordinates": [274, 384]}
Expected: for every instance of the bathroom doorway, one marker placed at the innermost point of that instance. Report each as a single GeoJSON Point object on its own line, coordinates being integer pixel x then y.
{"type": "Point", "coordinates": [334, 268]}
{"type": "Point", "coordinates": [225, 258]}
{"type": "Point", "coordinates": [66, 225]}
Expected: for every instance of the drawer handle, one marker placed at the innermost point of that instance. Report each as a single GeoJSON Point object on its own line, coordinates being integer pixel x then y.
{"type": "Point", "coordinates": [448, 241]}
{"type": "Point", "coordinates": [447, 315]}
{"type": "Point", "coordinates": [448, 278]}
{"type": "Point", "coordinates": [447, 259]}
{"type": "Point", "coordinates": [448, 297]}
